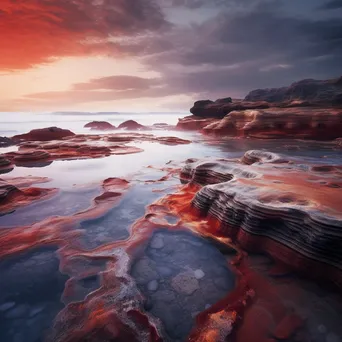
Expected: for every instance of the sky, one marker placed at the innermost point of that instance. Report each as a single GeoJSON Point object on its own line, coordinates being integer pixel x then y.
{"type": "Point", "coordinates": [160, 55]}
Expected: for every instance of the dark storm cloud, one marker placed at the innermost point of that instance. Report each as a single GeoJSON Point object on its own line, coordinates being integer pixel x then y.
{"type": "Point", "coordinates": [333, 4]}
{"type": "Point", "coordinates": [262, 47]}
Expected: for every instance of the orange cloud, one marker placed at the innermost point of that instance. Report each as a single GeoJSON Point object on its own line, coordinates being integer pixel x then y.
{"type": "Point", "coordinates": [38, 31]}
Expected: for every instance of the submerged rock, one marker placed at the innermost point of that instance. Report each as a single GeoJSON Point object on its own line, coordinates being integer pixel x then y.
{"type": "Point", "coordinates": [185, 283]}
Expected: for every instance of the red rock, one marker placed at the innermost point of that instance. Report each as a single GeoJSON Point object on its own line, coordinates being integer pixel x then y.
{"type": "Point", "coordinates": [287, 326]}
{"type": "Point", "coordinates": [29, 156]}
{"type": "Point", "coordinates": [172, 141]}
{"type": "Point", "coordinates": [100, 125]}
{"type": "Point", "coordinates": [131, 125]}
{"type": "Point", "coordinates": [299, 123]}
{"type": "Point", "coordinates": [291, 214]}
{"type": "Point", "coordinates": [44, 134]}
{"type": "Point", "coordinates": [12, 197]}
{"type": "Point", "coordinates": [194, 123]}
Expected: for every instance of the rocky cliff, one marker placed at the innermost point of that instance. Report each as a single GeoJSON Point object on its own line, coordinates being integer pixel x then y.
{"type": "Point", "coordinates": [315, 91]}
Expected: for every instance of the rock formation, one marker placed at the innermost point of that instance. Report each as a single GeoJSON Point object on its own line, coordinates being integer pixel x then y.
{"type": "Point", "coordinates": [220, 108]}
{"type": "Point", "coordinates": [131, 125]}
{"type": "Point", "coordinates": [100, 125]}
{"type": "Point", "coordinates": [44, 134]}
{"type": "Point", "coordinates": [290, 211]}
{"type": "Point", "coordinates": [308, 109]}
{"type": "Point", "coordinates": [5, 142]}
{"type": "Point", "coordinates": [327, 92]}
{"type": "Point", "coordinates": [301, 123]}
{"type": "Point", "coordinates": [42, 153]}
{"type": "Point", "coordinates": [14, 194]}
{"type": "Point", "coordinates": [194, 123]}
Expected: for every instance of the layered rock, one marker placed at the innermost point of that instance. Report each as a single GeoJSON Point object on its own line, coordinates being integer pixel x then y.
{"type": "Point", "coordinates": [17, 193]}
{"type": "Point", "coordinates": [44, 134]}
{"type": "Point", "coordinates": [328, 92]}
{"type": "Point", "coordinates": [301, 123]}
{"type": "Point", "coordinates": [287, 210]}
{"type": "Point", "coordinates": [220, 108]}
{"type": "Point", "coordinates": [100, 125]}
{"type": "Point", "coordinates": [40, 153]}
{"type": "Point", "coordinates": [131, 125]}
{"type": "Point", "coordinates": [194, 123]}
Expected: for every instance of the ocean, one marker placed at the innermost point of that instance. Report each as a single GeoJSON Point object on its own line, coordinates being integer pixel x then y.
{"type": "Point", "coordinates": [12, 123]}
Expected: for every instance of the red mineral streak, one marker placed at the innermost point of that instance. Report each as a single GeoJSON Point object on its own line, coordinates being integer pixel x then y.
{"type": "Point", "coordinates": [254, 309]}
{"type": "Point", "coordinates": [83, 147]}
{"type": "Point", "coordinates": [16, 192]}
{"type": "Point", "coordinates": [55, 230]}
{"type": "Point", "coordinates": [253, 312]}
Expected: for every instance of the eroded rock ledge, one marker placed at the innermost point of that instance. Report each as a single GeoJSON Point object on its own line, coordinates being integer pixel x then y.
{"type": "Point", "coordinates": [300, 123]}
{"type": "Point", "coordinates": [308, 109]}
{"type": "Point", "coordinates": [268, 204]}
{"type": "Point", "coordinates": [41, 152]}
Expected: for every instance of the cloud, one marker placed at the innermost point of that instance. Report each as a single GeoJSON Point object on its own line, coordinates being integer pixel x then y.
{"type": "Point", "coordinates": [249, 44]}
{"type": "Point", "coordinates": [332, 4]}
{"type": "Point", "coordinates": [38, 31]}
{"type": "Point", "coordinates": [233, 53]}
{"type": "Point", "coordinates": [118, 83]}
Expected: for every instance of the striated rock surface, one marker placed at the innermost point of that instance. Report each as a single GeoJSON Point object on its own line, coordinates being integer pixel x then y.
{"type": "Point", "coordinates": [15, 193]}
{"type": "Point", "coordinates": [220, 108]}
{"type": "Point", "coordinates": [327, 92]}
{"type": "Point", "coordinates": [194, 123]}
{"type": "Point", "coordinates": [291, 211]}
{"type": "Point", "coordinates": [44, 134]}
{"type": "Point", "coordinates": [100, 125]}
{"type": "Point", "coordinates": [131, 125]}
{"type": "Point", "coordinates": [301, 123]}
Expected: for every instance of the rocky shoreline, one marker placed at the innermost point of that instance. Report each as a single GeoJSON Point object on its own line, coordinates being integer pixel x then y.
{"type": "Point", "coordinates": [308, 109]}
{"type": "Point", "coordinates": [203, 249]}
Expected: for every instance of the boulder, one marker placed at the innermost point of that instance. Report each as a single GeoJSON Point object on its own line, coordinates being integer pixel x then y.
{"type": "Point", "coordinates": [44, 134]}
{"type": "Point", "coordinates": [100, 125]}
{"type": "Point", "coordinates": [131, 125]}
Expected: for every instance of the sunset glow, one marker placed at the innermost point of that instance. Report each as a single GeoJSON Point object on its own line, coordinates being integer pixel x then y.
{"type": "Point", "coordinates": [81, 55]}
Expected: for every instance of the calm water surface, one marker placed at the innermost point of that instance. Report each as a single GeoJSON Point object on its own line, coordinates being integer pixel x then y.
{"type": "Point", "coordinates": [31, 283]}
